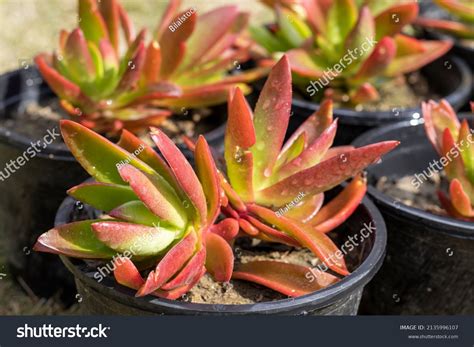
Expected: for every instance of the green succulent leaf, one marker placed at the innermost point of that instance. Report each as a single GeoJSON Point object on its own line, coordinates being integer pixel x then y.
{"type": "Point", "coordinates": [74, 240]}
{"type": "Point", "coordinates": [342, 17]}
{"type": "Point", "coordinates": [142, 241]}
{"type": "Point", "coordinates": [103, 196]}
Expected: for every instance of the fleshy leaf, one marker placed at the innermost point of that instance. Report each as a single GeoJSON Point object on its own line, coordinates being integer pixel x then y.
{"type": "Point", "coordinates": [207, 173]}
{"type": "Point", "coordinates": [271, 117]}
{"type": "Point", "coordinates": [411, 62]}
{"type": "Point", "coordinates": [74, 240]}
{"type": "Point", "coordinates": [320, 244]}
{"type": "Point", "coordinates": [460, 199]}
{"type": "Point", "coordinates": [161, 202]}
{"type": "Point", "coordinates": [306, 209]}
{"type": "Point", "coordinates": [240, 135]}
{"type": "Point", "coordinates": [145, 153]}
{"type": "Point", "coordinates": [182, 170]}
{"type": "Point", "coordinates": [173, 45]}
{"type": "Point", "coordinates": [77, 56]}
{"type": "Point", "coordinates": [97, 155]}
{"type": "Point", "coordinates": [248, 228]}
{"type": "Point", "coordinates": [467, 149]}
{"type": "Point", "coordinates": [171, 263]}
{"type": "Point", "coordinates": [288, 279]}
{"type": "Point", "coordinates": [103, 196]}
{"type": "Point", "coordinates": [362, 33]}
{"type": "Point", "coordinates": [220, 258]}
{"type": "Point", "coordinates": [341, 207]}
{"type": "Point", "coordinates": [140, 240]}
{"type": "Point", "coordinates": [324, 175]}
{"type": "Point", "coordinates": [271, 234]}
{"type": "Point", "coordinates": [341, 18]}
{"type": "Point", "coordinates": [314, 125]}
{"type": "Point", "coordinates": [393, 19]}
{"type": "Point", "coordinates": [63, 87]}
{"type": "Point", "coordinates": [187, 275]}
{"type": "Point", "coordinates": [227, 229]}
{"type": "Point", "coordinates": [137, 212]}
{"type": "Point", "coordinates": [167, 17]}
{"type": "Point", "coordinates": [127, 274]}
{"type": "Point", "coordinates": [312, 155]}
{"type": "Point", "coordinates": [303, 64]}
{"type": "Point", "coordinates": [210, 27]}
{"type": "Point", "coordinates": [91, 21]}
{"type": "Point", "coordinates": [379, 59]}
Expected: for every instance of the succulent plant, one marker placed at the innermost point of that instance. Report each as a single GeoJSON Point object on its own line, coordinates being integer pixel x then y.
{"type": "Point", "coordinates": [454, 142]}
{"type": "Point", "coordinates": [107, 84]}
{"type": "Point", "coordinates": [345, 47]}
{"type": "Point", "coordinates": [275, 190]}
{"type": "Point", "coordinates": [160, 213]}
{"type": "Point", "coordinates": [462, 10]}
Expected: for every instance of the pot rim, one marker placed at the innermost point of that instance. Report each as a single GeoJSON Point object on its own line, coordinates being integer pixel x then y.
{"type": "Point", "coordinates": [447, 225]}
{"type": "Point", "coordinates": [56, 150]}
{"type": "Point", "coordinates": [349, 116]}
{"type": "Point", "coordinates": [319, 299]}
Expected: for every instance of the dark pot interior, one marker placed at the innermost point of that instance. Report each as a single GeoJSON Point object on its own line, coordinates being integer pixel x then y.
{"type": "Point", "coordinates": [107, 297]}
{"type": "Point", "coordinates": [448, 76]}
{"type": "Point", "coordinates": [428, 268]}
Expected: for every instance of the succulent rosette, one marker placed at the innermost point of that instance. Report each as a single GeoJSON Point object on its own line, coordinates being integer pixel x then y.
{"type": "Point", "coordinates": [275, 189]}
{"type": "Point", "coordinates": [462, 27]}
{"type": "Point", "coordinates": [108, 81]}
{"type": "Point", "coordinates": [348, 46]}
{"type": "Point", "coordinates": [454, 142]}
{"type": "Point", "coordinates": [159, 213]}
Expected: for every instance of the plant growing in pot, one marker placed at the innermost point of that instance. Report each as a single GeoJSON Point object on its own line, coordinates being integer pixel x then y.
{"type": "Point", "coordinates": [108, 78]}
{"type": "Point", "coordinates": [276, 189]}
{"type": "Point", "coordinates": [358, 55]}
{"type": "Point", "coordinates": [183, 66]}
{"type": "Point", "coordinates": [452, 138]}
{"type": "Point", "coordinates": [427, 204]}
{"type": "Point", "coordinates": [455, 20]}
{"type": "Point", "coordinates": [137, 198]}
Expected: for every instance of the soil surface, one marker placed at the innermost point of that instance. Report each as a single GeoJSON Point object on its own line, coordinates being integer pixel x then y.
{"type": "Point", "coordinates": [208, 291]}
{"type": "Point", "coordinates": [36, 118]}
{"type": "Point", "coordinates": [395, 95]}
{"type": "Point", "coordinates": [424, 197]}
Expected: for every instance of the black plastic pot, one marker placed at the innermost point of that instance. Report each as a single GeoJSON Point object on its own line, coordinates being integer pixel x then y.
{"type": "Point", "coordinates": [109, 298]}
{"type": "Point", "coordinates": [448, 76]}
{"type": "Point", "coordinates": [428, 268]}
{"type": "Point", "coordinates": [31, 195]}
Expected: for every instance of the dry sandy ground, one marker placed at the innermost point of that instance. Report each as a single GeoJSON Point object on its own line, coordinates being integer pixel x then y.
{"type": "Point", "coordinates": [28, 27]}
